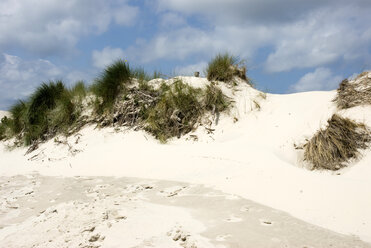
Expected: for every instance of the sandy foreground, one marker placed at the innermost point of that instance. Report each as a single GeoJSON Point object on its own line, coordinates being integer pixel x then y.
{"type": "Point", "coordinates": [40, 211]}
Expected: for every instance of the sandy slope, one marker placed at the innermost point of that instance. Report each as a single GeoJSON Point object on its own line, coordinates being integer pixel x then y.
{"type": "Point", "coordinates": [253, 158]}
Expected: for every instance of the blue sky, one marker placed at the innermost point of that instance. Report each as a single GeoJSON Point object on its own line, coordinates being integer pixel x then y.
{"type": "Point", "coordinates": [288, 45]}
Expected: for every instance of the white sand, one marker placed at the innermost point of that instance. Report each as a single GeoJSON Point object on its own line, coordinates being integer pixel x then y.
{"type": "Point", "coordinates": [253, 158]}
{"type": "Point", "coordinates": [130, 212]}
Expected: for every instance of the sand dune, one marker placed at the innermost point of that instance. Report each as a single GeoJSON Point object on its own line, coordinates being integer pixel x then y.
{"type": "Point", "coordinates": [253, 159]}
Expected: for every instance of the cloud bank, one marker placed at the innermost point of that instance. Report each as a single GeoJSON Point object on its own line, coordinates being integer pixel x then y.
{"type": "Point", "coordinates": [53, 27]}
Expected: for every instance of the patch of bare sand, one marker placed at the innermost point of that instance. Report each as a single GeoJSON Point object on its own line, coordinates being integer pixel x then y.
{"type": "Point", "coordinates": [39, 211]}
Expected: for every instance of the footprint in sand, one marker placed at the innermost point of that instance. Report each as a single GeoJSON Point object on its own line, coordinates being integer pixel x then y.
{"type": "Point", "coordinates": [245, 208]}
{"type": "Point", "coordinates": [233, 218]}
{"type": "Point", "coordinates": [222, 237]}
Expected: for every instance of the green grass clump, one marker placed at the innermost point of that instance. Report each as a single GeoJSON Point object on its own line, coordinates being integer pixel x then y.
{"type": "Point", "coordinates": [156, 74]}
{"type": "Point", "coordinates": [224, 67]}
{"type": "Point", "coordinates": [332, 147]}
{"type": "Point", "coordinates": [112, 81]}
{"type": "Point", "coordinates": [42, 101]}
{"type": "Point", "coordinates": [49, 110]}
{"type": "Point", "coordinates": [215, 100]}
{"type": "Point", "coordinates": [63, 115]}
{"type": "Point", "coordinates": [19, 117]}
{"type": "Point", "coordinates": [176, 112]}
{"type": "Point", "coordinates": [140, 74]}
{"type": "Point", "coordinates": [79, 90]}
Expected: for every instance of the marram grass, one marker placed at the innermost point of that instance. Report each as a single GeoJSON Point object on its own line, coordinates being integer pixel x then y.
{"type": "Point", "coordinates": [224, 67]}
{"type": "Point", "coordinates": [331, 148]}
{"type": "Point", "coordinates": [165, 112]}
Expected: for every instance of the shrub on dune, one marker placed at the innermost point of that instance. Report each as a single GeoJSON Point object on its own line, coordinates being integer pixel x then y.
{"type": "Point", "coordinates": [63, 115]}
{"type": "Point", "coordinates": [351, 94]}
{"type": "Point", "coordinates": [79, 90]}
{"type": "Point", "coordinates": [43, 100]}
{"type": "Point", "coordinates": [332, 147]}
{"type": "Point", "coordinates": [18, 119]}
{"type": "Point", "coordinates": [215, 100]}
{"type": "Point", "coordinates": [176, 112]}
{"type": "Point", "coordinates": [224, 67]}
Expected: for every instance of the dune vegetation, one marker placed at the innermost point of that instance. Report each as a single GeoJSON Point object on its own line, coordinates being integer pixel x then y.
{"type": "Point", "coordinates": [330, 148]}
{"type": "Point", "coordinates": [352, 94]}
{"type": "Point", "coordinates": [333, 147]}
{"type": "Point", "coordinates": [224, 67]}
{"type": "Point", "coordinates": [119, 96]}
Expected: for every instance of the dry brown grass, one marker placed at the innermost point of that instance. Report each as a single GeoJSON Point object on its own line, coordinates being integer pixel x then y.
{"type": "Point", "coordinates": [351, 94]}
{"type": "Point", "coordinates": [332, 147]}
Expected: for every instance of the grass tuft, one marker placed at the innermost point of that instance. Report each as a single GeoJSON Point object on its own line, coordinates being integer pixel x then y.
{"type": "Point", "coordinates": [19, 117]}
{"type": "Point", "coordinates": [140, 74]}
{"type": "Point", "coordinates": [63, 115]}
{"type": "Point", "coordinates": [79, 90]}
{"type": "Point", "coordinates": [224, 67]}
{"type": "Point", "coordinates": [109, 85]}
{"type": "Point", "coordinates": [43, 100]}
{"type": "Point", "coordinates": [156, 74]}
{"type": "Point", "coordinates": [176, 112]}
{"type": "Point", "coordinates": [332, 147]}
{"type": "Point", "coordinates": [351, 94]}
{"type": "Point", "coordinates": [215, 100]}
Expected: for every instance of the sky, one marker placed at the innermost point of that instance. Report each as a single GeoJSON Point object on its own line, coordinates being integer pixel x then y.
{"type": "Point", "coordinates": [288, 45]}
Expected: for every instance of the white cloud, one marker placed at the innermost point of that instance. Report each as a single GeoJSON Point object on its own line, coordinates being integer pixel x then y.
{"type": "Point", "coordinates": [125, 15]}
{"type": "Point", "coordinates": [188, 41]}
{"type": "Point", "coordinates": [105, 57]}
{"type": "Point", "coordinates": [295, 34]}
{"type": "Point", "coordinates": [244, 11]}
{"type": "Point", "coordinates": [320, 79]}
{"type": "Point", "coordinates": [19, 77]}
{"type": "Point", "coordinates": [47, 27]}
{"type": "Point", "coordinates": [74, 76]}
{"type": "Point", "coordinates": [171, 20]}
{"type": "Point", "coordinates": [322, 38]}
{"type": "Point", "coordinates": [189, 70]}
